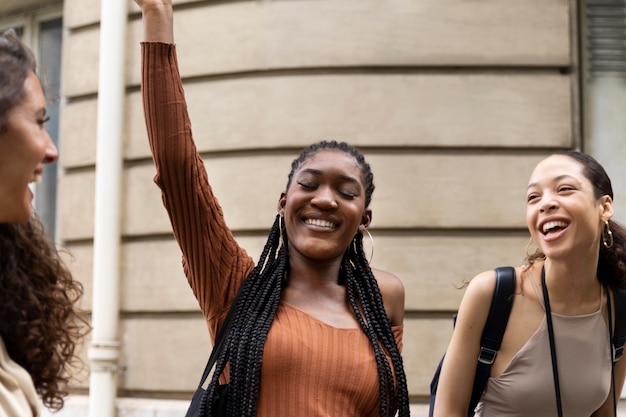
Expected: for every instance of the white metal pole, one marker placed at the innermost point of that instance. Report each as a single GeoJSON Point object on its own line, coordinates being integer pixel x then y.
{"type": "Point", "coordinates": [105, 347]}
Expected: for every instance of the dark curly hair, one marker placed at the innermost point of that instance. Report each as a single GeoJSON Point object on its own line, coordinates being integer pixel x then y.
{"type": "Point", "coordinates": [39, 321]}
{"type": "Point", "coordinates": [16, 61]}
{"type": "Point", "coordinates": [258, 302]}
{"type": "Point", "coordinates": [612, 261]}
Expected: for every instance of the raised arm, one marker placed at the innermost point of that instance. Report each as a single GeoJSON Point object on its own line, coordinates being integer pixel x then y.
{"type": "Point", "coordinates": [214, 264]}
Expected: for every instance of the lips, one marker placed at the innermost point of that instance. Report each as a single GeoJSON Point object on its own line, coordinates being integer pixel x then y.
{"type": "Point", "coordinates": [553, 226]}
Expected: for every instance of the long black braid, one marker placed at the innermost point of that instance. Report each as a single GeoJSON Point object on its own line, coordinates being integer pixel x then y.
{"type": "Point", "coordinates": [370, 311]}
{"type": "Point", "coordinates": [258, 302]}
{"type": "Point", "coordinates": [256, 306]}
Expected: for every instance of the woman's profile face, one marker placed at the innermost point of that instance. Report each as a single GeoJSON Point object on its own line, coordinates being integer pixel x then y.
{"type": "Point", "coordinates": [24, 147]}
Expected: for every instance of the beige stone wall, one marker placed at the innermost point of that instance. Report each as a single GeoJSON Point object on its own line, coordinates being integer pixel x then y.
{"type": "Point", "coordinates": [452, 101]}
{"type": "Point", "coordinates": [15, 9]}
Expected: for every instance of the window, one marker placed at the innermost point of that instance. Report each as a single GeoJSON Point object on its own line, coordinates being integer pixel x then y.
{"type": "Point", "coordinates": [43, 32]}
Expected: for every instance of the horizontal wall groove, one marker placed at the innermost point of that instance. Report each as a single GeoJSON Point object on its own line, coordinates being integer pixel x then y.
{"type": "Point", "coordinates": [161, 314]}
{"type": "Point", "coordinates": [129, 394]}
{"type": "Point", "coordinates": [379, 151]}
{"type": "Point", "coordinates": [351, 71]}
{"type": "Point", "coordinates": [388, 232]}
{"type": "Point", "coordinates": [254, 152]}
{"type": "Point", "coordinates": [358, 69]}
{"type": "Point", "coordinates": [429, 315]}
{"type": "Point", "coordinates": [446, 232]}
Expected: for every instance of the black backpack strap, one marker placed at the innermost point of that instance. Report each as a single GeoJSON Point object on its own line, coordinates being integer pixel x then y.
{"type": "Point", "coordinates": [494, 330]}
{"type": "Point", "coordinates": [619, 335]}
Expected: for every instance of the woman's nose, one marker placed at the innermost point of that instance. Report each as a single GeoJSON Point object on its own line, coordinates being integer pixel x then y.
{"type": "Point", "coordinates": [324, 199]}
{"type": "Point", "coordinates": [52, 153]}
{"type": "Point", "coordinates": [549, 203]}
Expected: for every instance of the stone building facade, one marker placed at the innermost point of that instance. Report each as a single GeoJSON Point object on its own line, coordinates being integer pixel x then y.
{"type": "Point", "coordinates": [453, 102]}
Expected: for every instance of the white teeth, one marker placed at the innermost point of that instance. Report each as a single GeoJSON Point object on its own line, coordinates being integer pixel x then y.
{"type": "Point", "coordinates": [36, 178]}
{"type": "Point", "coordinates": [322, 223]}
{"type": "Point", "coordinates": [551, 225]}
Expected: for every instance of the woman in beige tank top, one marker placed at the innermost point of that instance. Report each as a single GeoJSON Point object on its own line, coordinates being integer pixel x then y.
{"type": "Point", "coordinates": [582, 254]}
{"type": "Point", "coordinates": [38, 323]}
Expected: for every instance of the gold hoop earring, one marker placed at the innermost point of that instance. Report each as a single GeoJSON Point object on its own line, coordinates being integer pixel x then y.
{"type": "Point", "coordinates": [607, 232]}
{"type": "Point", "coordinates": [280, 231]}
{"type": "Point", "coordinates": [363, 229]}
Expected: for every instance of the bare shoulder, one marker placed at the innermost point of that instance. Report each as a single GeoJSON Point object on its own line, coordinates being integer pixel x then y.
{"type": "Point", "coordinates": [392, 290]}
{"type": "Point", "coordinates": [482, 285]}
{"type": "Point", "coordinates": [388, 281]}
{"type": "Point", "coordinates": [477, 299]}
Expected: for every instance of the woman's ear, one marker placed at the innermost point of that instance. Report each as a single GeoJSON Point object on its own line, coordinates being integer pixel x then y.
{"type": "Point", "coordinates": [607, 207]}
{"type": "Point", "coordinates": [282, 200]}
{"type": "Point", "coordinates": [366, 220]}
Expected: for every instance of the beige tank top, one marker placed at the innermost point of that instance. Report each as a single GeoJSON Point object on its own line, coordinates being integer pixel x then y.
{"type": "Point", "coordinates": [526, 386]}
{"type": "Point", "coordinates": [18, 397]}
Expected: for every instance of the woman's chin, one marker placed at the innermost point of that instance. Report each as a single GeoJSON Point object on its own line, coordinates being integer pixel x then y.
{"type": "Point", "coordinates": [22, 215]}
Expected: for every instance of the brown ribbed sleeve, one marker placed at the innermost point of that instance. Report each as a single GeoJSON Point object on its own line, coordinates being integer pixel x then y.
{"type": "Point", "coordinates": [213, 262]}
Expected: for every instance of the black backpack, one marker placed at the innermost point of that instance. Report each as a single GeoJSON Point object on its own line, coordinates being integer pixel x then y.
{"type": "Point", "coordinates": [494, 330]}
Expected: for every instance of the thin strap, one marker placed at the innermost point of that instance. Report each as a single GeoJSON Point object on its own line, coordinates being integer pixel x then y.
{"type": "Point", "coordinates": [537, 292]}
{"type": "Point", "coordinates": [555, 370]}
{"type": "Point", "coordinates": [610, 314]}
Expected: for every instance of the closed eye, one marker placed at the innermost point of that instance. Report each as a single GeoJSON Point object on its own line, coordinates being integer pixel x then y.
{"type": "Point", "coordinates": [348, 194]}
{"type": "Point", "coordinates": [307, 185]}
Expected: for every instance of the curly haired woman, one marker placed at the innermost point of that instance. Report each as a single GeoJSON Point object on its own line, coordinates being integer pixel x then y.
{"type": "Point", "coordinates": [39, 322]}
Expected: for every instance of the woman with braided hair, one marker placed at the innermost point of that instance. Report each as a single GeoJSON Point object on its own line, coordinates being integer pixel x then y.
{"type": "Point", "coordinates": [39, 324]}
{"type": "Point", "coordinates": [316, 331]}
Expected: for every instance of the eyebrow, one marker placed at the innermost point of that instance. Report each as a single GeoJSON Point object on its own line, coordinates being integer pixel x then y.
{"type": "Point", "coordinates": [556, 179]}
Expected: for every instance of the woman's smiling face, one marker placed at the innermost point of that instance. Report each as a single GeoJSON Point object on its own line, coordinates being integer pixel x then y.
{"type": "Point", "coordinates": [324, 205]}
{"type": "Point", "coordinates": [562, 211]}
{"type": "Point", "coordinates": [24, 147]}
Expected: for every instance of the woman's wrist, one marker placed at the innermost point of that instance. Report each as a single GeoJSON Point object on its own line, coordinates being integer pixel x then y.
{"type": "Point", "coordinates": [158, 24]}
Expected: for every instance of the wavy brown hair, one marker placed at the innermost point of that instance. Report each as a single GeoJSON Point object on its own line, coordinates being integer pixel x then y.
{"type": "Point", "coordinates": [16, 61]}
{"type": "Point", "coordinates": [40, 323]}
